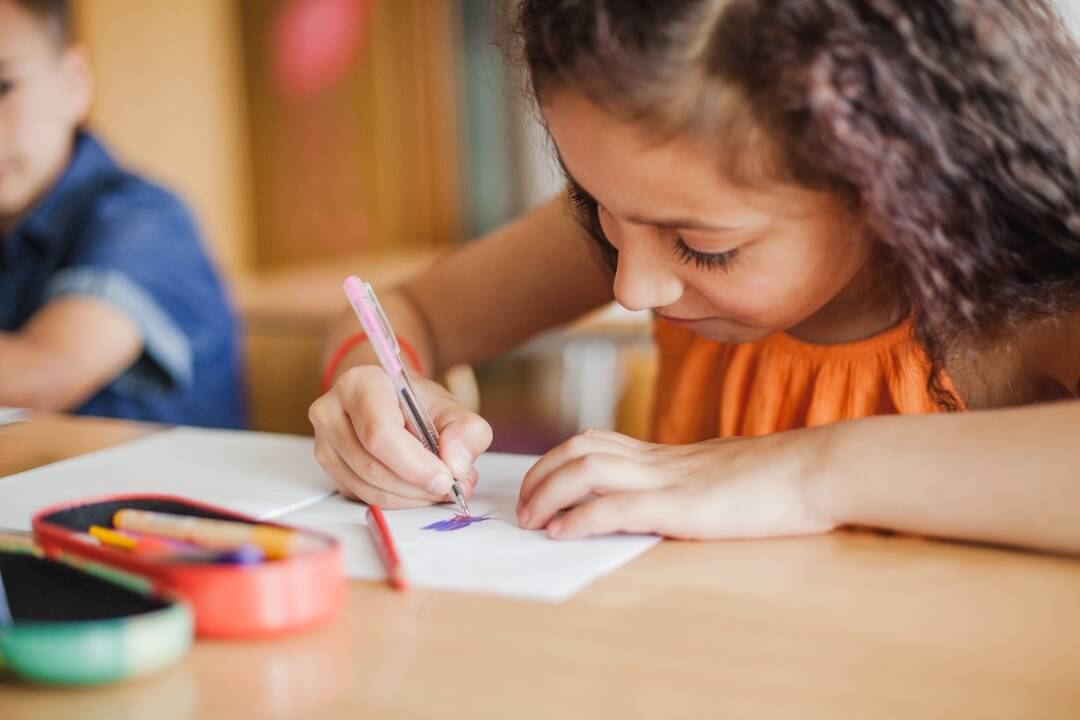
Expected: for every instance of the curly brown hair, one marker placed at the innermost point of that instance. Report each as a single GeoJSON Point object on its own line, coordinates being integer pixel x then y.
{"type": "Point", "coordinates": [953, 126]}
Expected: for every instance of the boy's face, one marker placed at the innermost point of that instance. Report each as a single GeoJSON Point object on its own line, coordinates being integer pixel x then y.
{"type": "Point", "coordinates": [729, 263]}
{"type": "Point", "coordinates": [45, 92]}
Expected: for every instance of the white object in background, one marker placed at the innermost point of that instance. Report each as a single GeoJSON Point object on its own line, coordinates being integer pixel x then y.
{"type": "Point", "coordinates": [493, 556]}
{"type": "Point", "coordinates": [10, 415]}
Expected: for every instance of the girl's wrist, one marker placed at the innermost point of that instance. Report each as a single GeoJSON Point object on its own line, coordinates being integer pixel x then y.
{"type": "Point", "coordinates": [823, 473]}
{"type": "Point", "coordinates": [348, 353]}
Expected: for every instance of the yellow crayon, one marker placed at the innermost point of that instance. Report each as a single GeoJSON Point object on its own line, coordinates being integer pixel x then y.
{"type": "Point", "coordinates": [112, 538]}
{"type": "Point", "coordinates": [275, 542]}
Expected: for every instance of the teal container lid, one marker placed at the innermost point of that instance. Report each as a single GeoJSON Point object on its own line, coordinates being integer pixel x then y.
{"type": "Point", "coordinates": [85, 625]}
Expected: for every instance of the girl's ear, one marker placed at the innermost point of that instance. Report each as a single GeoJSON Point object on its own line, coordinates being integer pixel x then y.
{"type": "Point", "coordinates": [78, 79]}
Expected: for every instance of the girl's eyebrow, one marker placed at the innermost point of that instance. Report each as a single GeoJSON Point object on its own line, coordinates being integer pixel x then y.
{"type": "Point", "coordinates": [679, 224]}
{"type": "Point", "coordinates": [667, 223]}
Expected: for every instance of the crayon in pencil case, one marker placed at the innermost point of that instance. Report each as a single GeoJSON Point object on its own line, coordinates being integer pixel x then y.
{"type": "Point", "coordinates": [146, 544]}
{"type": "Point", "coordinates": [275, 542]}
{"type": "Point", "coordinates": [190, 552]}
{"type": "Point", "coordinates": [174, 550]}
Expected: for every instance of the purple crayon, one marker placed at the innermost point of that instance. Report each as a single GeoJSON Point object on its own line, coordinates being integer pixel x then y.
{"type": "Point", "coordinates": [248, 554]}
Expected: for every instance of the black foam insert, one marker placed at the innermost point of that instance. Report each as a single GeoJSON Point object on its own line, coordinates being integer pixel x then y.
{"type": "Point", "coordinates": [43, 590]}
{"type": "Point", "coordinates": [80, 517]}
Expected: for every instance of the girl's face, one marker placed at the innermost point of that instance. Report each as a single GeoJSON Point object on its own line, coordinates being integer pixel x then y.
{"type": "Point", "coordinates": [730, 263]}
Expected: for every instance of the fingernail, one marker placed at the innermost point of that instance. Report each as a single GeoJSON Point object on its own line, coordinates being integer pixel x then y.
{"type": "Point", "coordinates": [441, 484]}
{"type": "Point", "coordinates": [554, 528]}
{"type": "Point", "coordinates": [461, 460]}
{"type": "Point", "coordinates": [523, 518]}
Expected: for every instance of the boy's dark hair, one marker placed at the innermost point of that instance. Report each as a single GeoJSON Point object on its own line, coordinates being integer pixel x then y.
{"type": "Point", "coordinates": [56, 14]}
{"type": "Point", "coordinates": [953, 126]}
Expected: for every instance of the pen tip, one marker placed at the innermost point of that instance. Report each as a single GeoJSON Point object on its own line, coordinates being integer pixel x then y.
{"type": "Point", "coordinates": [459, 496]}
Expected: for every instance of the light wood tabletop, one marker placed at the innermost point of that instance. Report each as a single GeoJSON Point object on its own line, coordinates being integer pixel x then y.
{"type": "Point", "coordinates": [845, 625]}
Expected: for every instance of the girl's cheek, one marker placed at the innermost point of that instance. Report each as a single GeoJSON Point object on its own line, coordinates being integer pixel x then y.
{"type": "Point", "coordinates": [733, 296]}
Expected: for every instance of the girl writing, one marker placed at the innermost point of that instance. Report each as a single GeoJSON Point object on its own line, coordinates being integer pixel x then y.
{"type": "Point", "coordinates": [837, 210]}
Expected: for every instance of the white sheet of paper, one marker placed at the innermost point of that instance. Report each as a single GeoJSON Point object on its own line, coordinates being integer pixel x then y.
{"type": "Point", "coordinates": [494, 556]}
{"type": "Point", "coordinates": [259, 474]}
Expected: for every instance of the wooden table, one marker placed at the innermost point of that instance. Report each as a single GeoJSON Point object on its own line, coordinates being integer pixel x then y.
{"type": "Point", "coordinates": [846, 625]}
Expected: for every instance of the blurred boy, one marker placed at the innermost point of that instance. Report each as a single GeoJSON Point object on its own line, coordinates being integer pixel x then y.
{"type": "Point", "coordinates": [108, 303]}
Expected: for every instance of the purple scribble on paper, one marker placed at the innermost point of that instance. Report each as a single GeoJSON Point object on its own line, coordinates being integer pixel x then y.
{"type": "Point", "coordinates": [456, 523]}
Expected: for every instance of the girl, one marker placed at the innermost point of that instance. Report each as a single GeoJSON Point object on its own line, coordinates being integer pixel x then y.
{"type": "Point", "coordinates": [836, 209]}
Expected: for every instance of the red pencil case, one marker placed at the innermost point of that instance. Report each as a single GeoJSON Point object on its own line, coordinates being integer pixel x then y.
{"type": "Point", "coordinates": [229, 601]}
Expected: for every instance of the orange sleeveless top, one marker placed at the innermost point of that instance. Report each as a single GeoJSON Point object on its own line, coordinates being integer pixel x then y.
{"type": "Point", "coordinates": [707, 389]}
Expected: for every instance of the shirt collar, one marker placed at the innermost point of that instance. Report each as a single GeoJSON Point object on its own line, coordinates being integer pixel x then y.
{"type": "Point", "coordinates": [49, 222]}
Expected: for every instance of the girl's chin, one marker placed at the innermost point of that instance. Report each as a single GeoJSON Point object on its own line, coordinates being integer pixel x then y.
{"type": "Point", "coordinates": [728, 331]}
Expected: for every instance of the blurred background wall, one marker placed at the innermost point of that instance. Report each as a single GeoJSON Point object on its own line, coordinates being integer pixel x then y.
{"type": "Point", "coordinates": [320, 138]}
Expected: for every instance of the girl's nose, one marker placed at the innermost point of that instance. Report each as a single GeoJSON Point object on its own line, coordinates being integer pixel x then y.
{"type": "Point", "coordinates": [644, 277]}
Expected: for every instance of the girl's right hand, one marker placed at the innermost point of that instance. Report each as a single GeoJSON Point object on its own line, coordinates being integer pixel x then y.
{"type": "Point", "coordinates": [362, 442]}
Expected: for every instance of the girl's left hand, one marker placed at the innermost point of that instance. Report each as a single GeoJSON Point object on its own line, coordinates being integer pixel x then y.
{"type": "Point", "coordinates": [754, 487]}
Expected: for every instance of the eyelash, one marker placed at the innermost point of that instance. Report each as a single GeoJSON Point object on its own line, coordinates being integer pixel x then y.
{"type": "Point", "coordinates": [688, 255]}
{"type": "Point", "coordinates": [708, 261]}
{"type": "Point", "coordinates": [581, 199]}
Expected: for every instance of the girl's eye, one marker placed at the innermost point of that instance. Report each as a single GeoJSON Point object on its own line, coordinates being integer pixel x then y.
{"type": "Point", "coordinates": [579, 197]}
{"type": "Point", "coordinates": [687, 254]}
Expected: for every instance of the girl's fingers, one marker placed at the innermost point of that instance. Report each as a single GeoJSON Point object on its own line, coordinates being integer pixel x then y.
{"type": "Point", "coordinates": [463, 437]}
{"type": "Point", "coordinates": [615, 437]}
{"type": "Point", "coordinates": [595, 473]}
{"type": "Point", "coordinates": [588, 442]}
{"type": "Point", "coordinates": [361, 420]}
{"type": "Point", "coordinates": [356, 488]}
{"type": "Point", "coordinates": [333, 428]}
{"type": "Point", "coordinates": [642, 512]}
{"type": "Point", "coordinates": [371, 470]}
{"type": "Point", "coordinates": [379, 426]}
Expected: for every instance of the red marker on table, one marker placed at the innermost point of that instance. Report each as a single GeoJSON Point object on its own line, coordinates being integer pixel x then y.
{"type": "Point", "coordinates": [384, 543]}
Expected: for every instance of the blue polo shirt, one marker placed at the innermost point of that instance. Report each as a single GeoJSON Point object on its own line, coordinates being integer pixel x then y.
{"type": "Point", "coordinates": [104, 232]}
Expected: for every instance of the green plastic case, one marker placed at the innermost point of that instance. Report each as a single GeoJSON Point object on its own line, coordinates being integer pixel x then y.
{"type": "Point", "coordinates": [85, 624]}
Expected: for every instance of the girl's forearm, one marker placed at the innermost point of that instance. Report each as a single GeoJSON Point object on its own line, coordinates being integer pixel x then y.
{"type": "Point", "coordinates": [534, 273]}
{"type": "Point", "coordinates": [1000, 476]}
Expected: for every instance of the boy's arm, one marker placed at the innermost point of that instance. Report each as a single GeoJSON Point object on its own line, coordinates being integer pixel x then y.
{"type": "Point", "coordinates": [1000, 476]}
{"type": "Point", "coordinates": [65, 353]}
{"type": "Point", "coordinates": [534, 273]}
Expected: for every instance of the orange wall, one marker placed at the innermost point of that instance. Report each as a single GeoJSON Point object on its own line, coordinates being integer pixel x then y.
{"type": "Point", "coordinates": [368, 163]}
